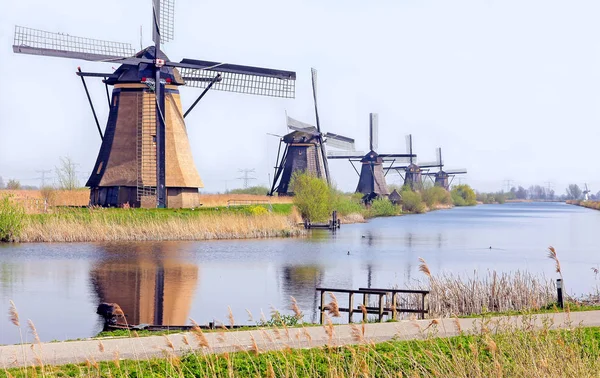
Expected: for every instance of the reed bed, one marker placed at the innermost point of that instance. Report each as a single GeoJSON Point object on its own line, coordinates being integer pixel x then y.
{"type": "Point", "coordinates": [204, 227]}
{"type": "Point", "coordinates": [457, 295]}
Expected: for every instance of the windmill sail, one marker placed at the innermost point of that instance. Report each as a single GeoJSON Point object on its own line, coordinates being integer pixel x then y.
{"type": "Point", "coordinates": [39, 42]}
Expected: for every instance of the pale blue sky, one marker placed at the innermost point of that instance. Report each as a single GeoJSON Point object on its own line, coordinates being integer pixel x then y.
{"type": "Point", "coordinates": [509, 89]}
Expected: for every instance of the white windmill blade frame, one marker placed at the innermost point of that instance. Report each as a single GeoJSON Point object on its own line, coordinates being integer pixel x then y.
{"type": "Point", "coordinates": [456, 171]}
{"type": "Point", "coordinates": [294, 124]}
{"type": "Point", "coordinates": [40, 42]}
{"type": "Point", "coordinates": [342, 145]}
{"type": "Point", "coordinates": [333, 154]}
{"type": "Point", "coordinates": [374, 131]}
{"type": "Point", "coordinates": [167, 20]}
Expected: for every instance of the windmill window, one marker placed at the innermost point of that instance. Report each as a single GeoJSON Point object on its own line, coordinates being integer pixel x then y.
{"type": "Point", "coordinates": [99, 167]}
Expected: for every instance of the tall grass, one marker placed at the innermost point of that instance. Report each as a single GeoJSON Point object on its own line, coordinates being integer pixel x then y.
{"type": "Point", "coordinates": [11, 219]}
{"type": "Point", "coordinates": [100, 224]}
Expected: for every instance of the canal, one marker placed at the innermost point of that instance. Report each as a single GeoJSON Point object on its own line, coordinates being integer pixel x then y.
{"type": "Point", "coordinates": [58, 286]}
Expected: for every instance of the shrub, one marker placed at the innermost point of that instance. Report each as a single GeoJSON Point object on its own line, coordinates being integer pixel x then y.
{"type": "Point", "coordinates": [382, 207]}
{"type": "Point", "coordinates": [346, 204]}
{"type": "Point", "coordinates": [257, 210]}
{"type": "Point", "coordinates": [13, 184]}
{"type": "Point", "coordinates": [463, 195]}
{"type": "Point", "coordinates": [312, 197]}
{"type": "Point", "coordinates": [436, 195]}
{"type": "Point", "coordinates": [412, 201]}
{"type": "Point", "coordinates": [11, 219]}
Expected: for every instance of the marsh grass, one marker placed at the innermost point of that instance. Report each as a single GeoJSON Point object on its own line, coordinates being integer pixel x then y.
{"type": "Point", "coordinates": [101, 224]}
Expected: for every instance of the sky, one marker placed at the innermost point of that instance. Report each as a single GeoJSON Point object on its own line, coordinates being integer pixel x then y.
{"type": "Point", "coordinates": [510, 89]}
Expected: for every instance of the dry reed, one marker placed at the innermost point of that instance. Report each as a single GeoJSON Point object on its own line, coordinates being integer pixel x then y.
{"type": "Point", "coordinates": [205, 227]}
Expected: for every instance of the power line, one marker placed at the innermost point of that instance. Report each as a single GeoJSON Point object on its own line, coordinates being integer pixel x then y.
{"type": "Point", "coordinates": [246, 176]}
{"type": "Point", "coordinates": [43, 177]}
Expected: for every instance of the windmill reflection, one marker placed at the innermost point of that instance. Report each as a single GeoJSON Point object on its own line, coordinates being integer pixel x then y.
{"type": "Point", "coordinates": [300, 282]}
{"type": "Point", "coordinates": [148, 281]}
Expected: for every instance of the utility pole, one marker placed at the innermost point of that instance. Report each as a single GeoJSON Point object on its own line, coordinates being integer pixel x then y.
{"type": "Point", "coordinates": [43, 177]}
{"type": "Point", "coordinates": [509, 184]}
{"type": "Point", "coordinates": [246, 176]}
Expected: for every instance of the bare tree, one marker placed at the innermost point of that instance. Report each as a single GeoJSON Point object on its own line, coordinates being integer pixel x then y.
{"type": "Point", "coordinates": [574, 191]}
{"type": "Point", "coordinates": [13, 184]}
{"type": "Point", "coordinates": [66, 174]}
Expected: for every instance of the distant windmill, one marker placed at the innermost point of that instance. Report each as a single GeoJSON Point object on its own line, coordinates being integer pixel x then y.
{"type": "Point", "coordinates": [412, 173]}
{"type": "Point", "coordinates": [145, 155]}
{"type": "Point", "coordinates": [586, 193]}
{"type": "Point", "coordinates": [442, 177]}
{"type": "Point", "coordinates": [305, 150]}
{"type": "Point", "coordinates": [371, 182]}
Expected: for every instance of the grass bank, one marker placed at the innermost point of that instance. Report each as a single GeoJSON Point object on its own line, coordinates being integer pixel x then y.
{"type": "Point", "coordinates": [509, 350]}
{"type": "Point", "coordinates": [102, 224]}
{"type": "Point", "coordinates": [589, 204]}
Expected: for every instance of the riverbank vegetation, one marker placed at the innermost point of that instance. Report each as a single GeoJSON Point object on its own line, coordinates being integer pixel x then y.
{"type": "Point", "coordinates": [110, 224]}
{"type": "Point", "coordinates": [589, 204]}
{"type": "Point", "coordinates": [463, 195]}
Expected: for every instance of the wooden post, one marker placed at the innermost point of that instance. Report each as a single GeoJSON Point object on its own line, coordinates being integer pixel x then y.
{"type": "Point", "coordinates": [394, 306]}
{"type": "Point", "coordinates": [559, 292]}
{"type": "Point", "coordinates": [423, 305]}
{"type": "Point", "coordinates": [350, 307]}
{"type": "Point", "coordinates": [381, 307]}
{"type": "Point", "coordinates": [365, 304]}
{"type": "Point", "coordinates": [322, 306]}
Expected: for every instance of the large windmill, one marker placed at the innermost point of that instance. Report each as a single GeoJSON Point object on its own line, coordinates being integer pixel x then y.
{"type": "Point", "coordinates": [305, 149]}
{"type": "Point", "coordinates": [145, 155]}
{"type": "Point", "coordinates": [371, 182]}
{"type": "Point", "coordinates": [443, 177]}
{"type": "Point", "coordinates": [412, 173]}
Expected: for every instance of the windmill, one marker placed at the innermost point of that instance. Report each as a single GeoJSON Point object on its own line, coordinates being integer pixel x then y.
{"type": "Point", "coordinates": [443, 177]}
{"type": "Point", "coordinates": [413, 172]}
{"type": "Point", "coordinates": [371, 182]}
{"type": "Point", "coordinates": [145, 157]}
{"type": "Point", "coordinates": [586, 193]}
{"type": "Point", "coordinates": [305, 149]}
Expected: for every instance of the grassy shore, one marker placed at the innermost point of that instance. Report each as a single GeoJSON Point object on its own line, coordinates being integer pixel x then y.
{"type": "Point", "coordinates": [509, 350]}
{"type": "Point", "coordinates": [589, 204]}
{"type": "Point", "coordinates": [101, 224]}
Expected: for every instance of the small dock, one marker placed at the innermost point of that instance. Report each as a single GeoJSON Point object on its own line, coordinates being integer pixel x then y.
{"type": "Point", "coordinates": [390, 303]}
{"type": "Point", "coordinates": [333, 224]}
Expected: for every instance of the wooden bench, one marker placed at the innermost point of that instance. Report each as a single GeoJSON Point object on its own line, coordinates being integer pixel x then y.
{"type": "Point", "coordinates": [380, 310]}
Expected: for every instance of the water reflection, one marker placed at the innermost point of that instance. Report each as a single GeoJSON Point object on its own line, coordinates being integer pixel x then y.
{"type": "Point", "coordinates": [151, 285]}
{"type": "Point", "coordinates": [300, 282]}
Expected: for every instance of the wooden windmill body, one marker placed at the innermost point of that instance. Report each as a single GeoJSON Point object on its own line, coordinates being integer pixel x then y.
{"type": "Point", "coordinates": [443, 178]}
{"type": "Point", "coordinates": [413, 172]}
{"type": "Point", "coordinates": [304, 150]}
{"type": "Point", "coordinates": [371, 182]}
{"type": "Point", "coordinates": [145, 157]}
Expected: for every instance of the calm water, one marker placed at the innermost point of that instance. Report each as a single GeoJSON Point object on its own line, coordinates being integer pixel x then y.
{"type": "Point", "coordinates": [59, 286]}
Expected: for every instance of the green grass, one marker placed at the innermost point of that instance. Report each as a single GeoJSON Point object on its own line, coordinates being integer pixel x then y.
{"type": "Point", "coordinates": [136, 215]}
{"type": "Point", "coordinates": [513, 352]}
{"type": "Point", "coordinates": [548, 309]}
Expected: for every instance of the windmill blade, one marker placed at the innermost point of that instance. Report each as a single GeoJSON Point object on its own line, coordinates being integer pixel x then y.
{"type": "Point", "coordinates": [456, 171]}
{"type": "Point", "coordinates": [373, 131]}
{"type": "Point", "coordinates": [167, 20]}
{"type": "Point", "coordinates": [428, 164]}
{"type": "Point", "coordinates": [339, 141]}
{"type": "Point", "coordinates": [395, 157]}
{"type": "Point", "coordinates": [439, 156]}
{"type": "Point", "coordinates": [237, 78]}
{"type": "Point", "coordinates": [296, 125]}
{"type": "Point", "coordinates": [275, 135]}
{"type": "Point", "coordinates": [39, 42]}
{"type": "Point", "coordinates": [345, 154]}
{"type": "Point", "coordinates": [313, 75]}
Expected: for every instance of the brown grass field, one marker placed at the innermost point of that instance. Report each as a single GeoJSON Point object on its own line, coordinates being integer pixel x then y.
{"type": "Point", "coordinates": [33, 200]}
